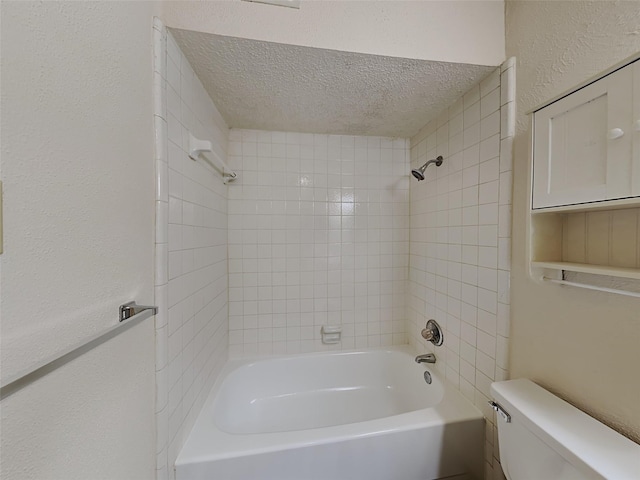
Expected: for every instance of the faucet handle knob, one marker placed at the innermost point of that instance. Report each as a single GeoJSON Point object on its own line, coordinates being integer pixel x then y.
{"type": "Point", "coordinates": [432, 333]}
{"type": "Point", "coordinates": [427, 334]}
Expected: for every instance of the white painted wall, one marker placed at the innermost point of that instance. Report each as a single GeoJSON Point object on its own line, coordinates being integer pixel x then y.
{"type": "Point", "coordinates": [191, 250]}
{"type": "Point", "coordinates": [78, 172]}
{"type": "Point", "coordinates": [448, 31]}
{"type": "Point", "coordinates": [579, 344]}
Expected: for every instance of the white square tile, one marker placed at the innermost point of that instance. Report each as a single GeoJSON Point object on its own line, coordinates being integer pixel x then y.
{"type": "Point", "coordinates": [488, 278]}
{"type": "Point", "coordinates": [467, 371]}
{"type": "Point", "coordinates": [469, 294]}
{"type": "Point", "coordinates": [468, 333]}
{"type": "Point", "coordinates": [470, 215]}
{"type": "Point", "coordinates": [456, 125]}
{"type": "Point", "coordinates": [471, 156]}
{"type": "Point", "coordinates": [488, 257]}
{"type": "Point", "coordinates": [490, 83]}
{"type": "Point", "coordinates": [470, 235]}
{"type": "Point", "coordinates": [490, 148]}
{"type": "Point", "coordinates": [490, 125]}
{"type": "Point", "coordinates": [471, 114]}
{"type": "Point", "coordinates": [470, 195]}
{"type": "Point", "coordinates": [470, 176]}
{"type": "Point", "coordinates": [487, 320]}
{"type": "Point", "coordinates": [485, 364]}
{"type": "Point", "coordinates": [488, 214]}
{"type": "Point", "coordinates": [489, 170]}
{"type": "Point", "coordinates": [471, 135]}
{"type": "Point", "coordinates": [174, 129]}
{"type": "Point", "coordinates": [490, 103]}
{"type": "Point", "coordinates": [486, 343]}
{"type": "Point", "coordinates": [488, 192]}
{"type": "Point", "coordinates": [469, 274]}
{"type": "Point", "coordinates": [488, 235]}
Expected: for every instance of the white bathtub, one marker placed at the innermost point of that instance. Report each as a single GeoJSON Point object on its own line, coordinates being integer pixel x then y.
{"type": "Point", "coordinates": [366, 415]}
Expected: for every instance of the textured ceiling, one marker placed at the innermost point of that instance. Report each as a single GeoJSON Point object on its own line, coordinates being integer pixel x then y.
{"type": "Point", "coordinates": [271, 86]}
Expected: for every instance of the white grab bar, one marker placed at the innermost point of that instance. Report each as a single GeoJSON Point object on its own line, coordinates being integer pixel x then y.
{"type": "Point", "coordinates": [198, 147]}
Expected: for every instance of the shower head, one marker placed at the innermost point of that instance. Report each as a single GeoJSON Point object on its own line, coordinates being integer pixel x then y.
{"type": "Point", "coordinates": [419, 173]}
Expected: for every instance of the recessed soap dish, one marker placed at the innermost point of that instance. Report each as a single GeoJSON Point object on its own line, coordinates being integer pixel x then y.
{"type": "Point", "coordinates": [331, 334]}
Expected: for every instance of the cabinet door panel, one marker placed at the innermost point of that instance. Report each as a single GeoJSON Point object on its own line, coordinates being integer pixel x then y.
{"type": "Point", "coordinates": [570, 149]}
{"type": "Point", "coordinates": [583, 144]}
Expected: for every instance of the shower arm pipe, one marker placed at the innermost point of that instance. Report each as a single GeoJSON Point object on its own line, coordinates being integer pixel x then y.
{"type": "Point", "coordinates": [419, 172]}
{"type": "Point", "coordinates": [199, 147]}
{"type": "Point", "coordinates": [437, 161]}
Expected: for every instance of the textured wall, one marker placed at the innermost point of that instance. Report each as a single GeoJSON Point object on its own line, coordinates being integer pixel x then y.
{"type": "Point", "coordinates": [77, 166]}
{"type": "Point", "coordinates": [460, 241]}
{"type": "Point", "coordinates": [318, 235]}
{"type": "Point", "coordinates": [191, 250]}
{"type": "Point", "coordinates": [460, 31]}
{"type": "Point", "coordinates": [580, 344]}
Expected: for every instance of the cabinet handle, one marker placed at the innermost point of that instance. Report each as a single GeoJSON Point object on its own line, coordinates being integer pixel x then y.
{"type": "Point", "coordinates": [615, 133]}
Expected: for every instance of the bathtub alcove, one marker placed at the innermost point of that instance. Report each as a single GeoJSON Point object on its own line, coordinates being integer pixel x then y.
{"type": "Point", "coordinates": [325, 226]}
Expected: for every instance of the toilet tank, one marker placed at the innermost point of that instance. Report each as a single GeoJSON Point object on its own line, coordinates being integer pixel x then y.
{"type": "Point", "coordinates": [540, 436]}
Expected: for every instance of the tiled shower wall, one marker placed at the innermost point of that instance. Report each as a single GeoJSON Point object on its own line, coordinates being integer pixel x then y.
{"type": "Point", "coordinates": [191, 250]}
{"type": "Point", "coordinates": [460, 241]}
{"type": "Point", "coordinates": [318, 235]}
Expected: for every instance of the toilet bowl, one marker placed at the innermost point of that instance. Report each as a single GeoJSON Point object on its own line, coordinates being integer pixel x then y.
{"type": "Point", "coordinates": [542, 437]}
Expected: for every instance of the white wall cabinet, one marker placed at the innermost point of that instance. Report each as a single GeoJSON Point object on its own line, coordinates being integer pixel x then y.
{"type": "Point", "coordinates": [585, 215]}
{"type": "Point", "coordinates": [586, 145]}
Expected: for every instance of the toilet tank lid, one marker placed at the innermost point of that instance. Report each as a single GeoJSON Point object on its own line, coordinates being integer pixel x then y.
{"type": "Point", "coordinates": [579, 438]}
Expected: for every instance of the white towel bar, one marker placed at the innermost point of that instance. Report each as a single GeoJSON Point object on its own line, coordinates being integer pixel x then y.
{"type": "Point", "coordinates": [198, 147]}
{"type": "Point", "coordinates": [592, 287]}
{"type": "Point", "coordinates": [48, 365]}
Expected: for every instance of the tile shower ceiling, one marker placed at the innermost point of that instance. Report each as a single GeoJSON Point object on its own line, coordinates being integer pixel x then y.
{"type": "Point", "coordinates": [269, 86]}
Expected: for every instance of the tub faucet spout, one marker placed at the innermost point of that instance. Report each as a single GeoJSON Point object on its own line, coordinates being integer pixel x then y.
{"type": "Point", "coordinates": [426, 358]}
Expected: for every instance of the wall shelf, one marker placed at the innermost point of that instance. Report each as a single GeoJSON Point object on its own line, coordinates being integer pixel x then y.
{"type": "Point", "coordinates": [623, 203]}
